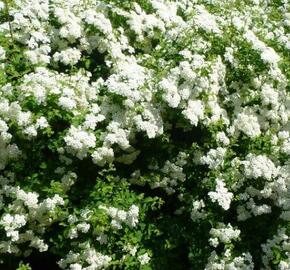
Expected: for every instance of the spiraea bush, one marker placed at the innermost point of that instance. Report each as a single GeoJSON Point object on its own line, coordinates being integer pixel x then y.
{"type": "Point", "coordinates": [145, 134]}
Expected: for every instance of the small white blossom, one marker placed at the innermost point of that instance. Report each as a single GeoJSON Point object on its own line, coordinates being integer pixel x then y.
{"type": "Point", "coordinates": [144, 259]}
{"type": "Point", "coordinates": [221, 195]}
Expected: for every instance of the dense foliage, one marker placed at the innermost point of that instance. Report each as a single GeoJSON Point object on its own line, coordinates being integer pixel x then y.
{"type": "Point", "coordinates": [145, 134]}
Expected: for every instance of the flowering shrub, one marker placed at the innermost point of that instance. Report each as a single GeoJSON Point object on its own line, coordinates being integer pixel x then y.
{"type": "Point", "coordinates": [145, 134]}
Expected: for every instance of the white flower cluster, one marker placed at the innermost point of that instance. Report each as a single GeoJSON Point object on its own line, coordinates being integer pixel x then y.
{"type": "Point", "coordinates": [11, 224]}
{"type": "Point", "coordinates": [144, 258]}
{"type": "Point", "coordinates": [242, 262]}
{"type": "Point", "coordinates": [221, 195]}
{"type": "Point", "coordinates": [173, 174]}
{"type": "Point", "coordinates": [259, 166]}
{"type": "Point", "coordinates": [248, 124]}
{"type": "Point", "coordinates": [120, 217]}
{"type": "Point", "coordinates": [26, 218]}
{"type": "Point", "coordinates": [80, 224]}
{"type": "Point", "coordinates": [68, 56]}
{"type": "Point", "coordinates": [205, 20]}
{"type": "Point", "coordinates": [197, 211]}
{"type": "Point", "coordinates": [103, 155]}
{"type": "Point", "coordinates": [268, 54]}
{"type": "Point", "coordinates": [87, 259]}
{"type": "Point", "coordinates": [223, 234]}
{"type": "Point", "coordinates": [79, 141]}
{"type": "Point", "coordinates": [281, 243]}
{"type": "Point", "coordinates": [214, 158]}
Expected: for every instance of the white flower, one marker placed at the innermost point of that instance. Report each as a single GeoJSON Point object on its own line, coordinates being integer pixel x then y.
{"type": "Point", "coordinates": [221, 195]}
{"type": "Point", "coordinates": [99, 21]}
{"type": "Point", "coordinates": [24, 118]}
{"type": "Point", "coordinates": [30, 199]}
{"type": "Point", "coordinates": [144, 259]}
{"type": "Point", "coordinates": [68, 57]}
{"type": "Point", "coordinates": [128, 78]}
{"type": "Point", "coordinates": [198, 211]}
{"type": "Point", "coordinates": [248, 124]}
{"type": "Point", "coordinates": [259, 166]}
{"type": "Point", "coordinates": [83, 227]}
{"type": "Point", "coordinates": [42, 123]}
{"type": "Point", "coordinates": [270, 56]}
{"type": "Point", "coordinates": [30, 131]}
{"type": "Point", "coordinates": [221, 137]}
{"type": "Point", "coordinates": [132, 216]}
{"type": "Point", "coordinates": [71, 31]}
{"type": "Point", "coordinates": [11, 223]}
{"type": "Point", "coordinates": [91, 120]}
{"type": "Point", "coordinates": [150, 121]}
{"type": "Point", "coordinates": [229, 54]}
{"type": "Point", "coordinates": [103, 155]}
{"type": "Point", "coordinates": [225, 233]}
{"type": "Point", "coordinates": [214, 158]}
{"type": "Point", "coordinates": [75, 266]}
{"type": "Point", "coordinates": [79, 141]}
{"type": "Point", "coordinates": [205, 20]}
{"type": "Point", "coordinates": [50, 203]}
{"type": "Point", "coordinates": [171, 95]}
{"type": "Point", "coordinates": [39, 244]}
{"type": "Point", "coordinates": [269, 95]}
{"type": "Point", "coordinates": [131, 249]}
{"type": "Point", "coordinates": [14, 235]}
{"type": "Point", "coordinates": [194, 111]}
{"type": "Point", "coordinates": [72, 219]}
{"type": "Point", "coordinates": [73, 233]}
{"type": "Point", "coordinates": [120, 216]}
{"type": "Point", "coordinates": [67, 103]}
{"type": "Point", "coordinates": [285, 148]}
